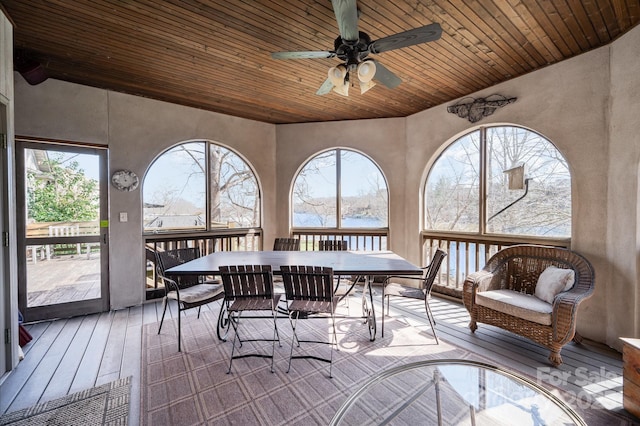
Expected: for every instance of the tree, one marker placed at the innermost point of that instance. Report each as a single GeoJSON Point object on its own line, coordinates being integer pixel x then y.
{"type": "Point", "coordinates": [453, 191]}
{"type": "Point", "coordinates": [63, 194]}
{"type": "Point", "coordinates": [177, 184]}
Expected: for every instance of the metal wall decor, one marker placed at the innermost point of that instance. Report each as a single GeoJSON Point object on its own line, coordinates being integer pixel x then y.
{"type": "Point", "coordinates": [476, 109]}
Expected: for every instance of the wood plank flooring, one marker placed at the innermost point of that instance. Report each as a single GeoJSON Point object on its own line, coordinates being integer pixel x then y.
{"type": "Point", "coordinates": [63, 278]}
{"type": "Point", "coordinates": [69, 355]}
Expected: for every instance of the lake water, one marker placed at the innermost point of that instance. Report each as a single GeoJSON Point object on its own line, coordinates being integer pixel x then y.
{"type": "Point", "coordinates": [317, 221]}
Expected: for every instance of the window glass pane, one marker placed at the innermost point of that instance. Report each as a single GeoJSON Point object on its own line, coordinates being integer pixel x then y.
{"type": "Point", "coordinates": [174, 190]}
{"type": "Point", "coordinates": [545, 210]}
{"type": "Point", "coordinates": [363, 192]}
{"type": "Point", "coordinates": [314, 193]}
{"type": "Point", "coordinates": [235, 198]}
{"type": "Point", "coordinates": [453, 186]}
{"type": "Point", "coordinates": [62, 189]}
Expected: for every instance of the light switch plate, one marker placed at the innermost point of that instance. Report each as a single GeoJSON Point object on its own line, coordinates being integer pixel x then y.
{"type": "Point", "coordinates": [123, 217]}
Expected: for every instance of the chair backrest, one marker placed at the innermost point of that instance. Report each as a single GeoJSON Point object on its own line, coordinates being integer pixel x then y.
{"type": "Point", "coordinates": [308, 282]}
{"type": "Point", "coordinates": [247, 282]}
{"type": "Point", "coordinates": [170, 258]}
{"type": "Point", "coordinates": [332, 245]}
{"type": "Point", "coordinates": [518, 267]}
{"type": "Point", "coordinates": [432, 270]}
{"type": "Point", "coordinates": [286, 244]}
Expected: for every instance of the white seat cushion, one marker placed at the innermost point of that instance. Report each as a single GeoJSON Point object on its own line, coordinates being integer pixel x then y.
{"type": "Point", "coordinates": [525, 306]}
{"type": "Point", "coordinates": [197, 293]}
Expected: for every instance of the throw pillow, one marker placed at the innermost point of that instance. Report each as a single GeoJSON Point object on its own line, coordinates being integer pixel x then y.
{"type": "Point", "coordinates": [553, 281]}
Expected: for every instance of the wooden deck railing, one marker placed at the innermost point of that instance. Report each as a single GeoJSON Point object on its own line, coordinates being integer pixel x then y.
{"type": "Point", "coordinates": [249, 239]}
{"type": "Point", "coordinates": [358, 239]}
{"type": "Point", "coordinates": [468, 253]}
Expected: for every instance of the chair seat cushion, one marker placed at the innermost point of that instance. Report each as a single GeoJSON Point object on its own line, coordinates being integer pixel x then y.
{"type": "Point", "coordinates": [394, 289]}
{"type": "Point", "coordinates": [313, 306]}
{"type": "Point", "coordinates": [197, 293]}
{"type": "Point", "coordinates": [254, 304]}
{"type": "Point", "coordinates": [525, 306]}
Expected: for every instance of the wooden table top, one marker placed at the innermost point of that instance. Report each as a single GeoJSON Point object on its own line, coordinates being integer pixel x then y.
{"type": "Point", "coordinates": [342, 262]}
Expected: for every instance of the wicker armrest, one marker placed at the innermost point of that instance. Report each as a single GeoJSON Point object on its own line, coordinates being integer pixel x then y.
{"type": "Point", "coordinates": [565, 306]}
{"type": "Point", "coordinates": [475, 282]}
{"type": "Point", "coordinates": [479, 281]}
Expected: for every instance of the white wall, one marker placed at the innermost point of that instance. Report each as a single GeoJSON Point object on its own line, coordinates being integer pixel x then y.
{"type": "Point", "coordinates": [587, 106]}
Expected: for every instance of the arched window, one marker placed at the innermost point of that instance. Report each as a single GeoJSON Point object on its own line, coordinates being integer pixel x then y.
{"type": "Point", "coordinates": [500, 180]}
{"type": "Point", "coordinates": [340, 189]}
{"type": "Point", "coordinates": [200, 186]}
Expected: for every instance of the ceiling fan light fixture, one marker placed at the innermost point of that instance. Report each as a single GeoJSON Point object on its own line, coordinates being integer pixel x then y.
{"type": "Point", "coordinates": [343, 89]}
{"type": "Point", "coordinates": [366, 71]}
{"type": "Point", "coordinates": [364, 87]}
{"type": "Point", "coordinates": [338, 77]}
{"type": "Point", "coordinates": [337, 74]}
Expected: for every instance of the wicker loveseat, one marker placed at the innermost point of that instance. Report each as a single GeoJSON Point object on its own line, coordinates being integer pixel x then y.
{"type": "Point", "coordinates": [502, 294]}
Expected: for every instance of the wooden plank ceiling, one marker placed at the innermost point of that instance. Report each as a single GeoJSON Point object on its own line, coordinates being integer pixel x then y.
{"type": "Point", "coordinates": [215, 55]}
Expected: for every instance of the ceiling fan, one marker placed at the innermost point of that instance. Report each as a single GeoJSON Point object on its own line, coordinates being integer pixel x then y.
{"type": "Point", "coordinates": [353, 48]}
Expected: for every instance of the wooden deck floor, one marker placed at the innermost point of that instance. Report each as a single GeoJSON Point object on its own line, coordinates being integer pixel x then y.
{"type": "Point", "coordinates": [69, 355]}
{"type": "Point", "coordinates": [63, 279]}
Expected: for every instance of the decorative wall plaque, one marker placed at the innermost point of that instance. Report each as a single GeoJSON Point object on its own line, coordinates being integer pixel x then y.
{"type": "Point", "coordinates": [476, 109]}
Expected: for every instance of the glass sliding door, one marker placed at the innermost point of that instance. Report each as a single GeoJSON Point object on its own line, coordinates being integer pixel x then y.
{"type": "Point", "coordinates": [62, 221]}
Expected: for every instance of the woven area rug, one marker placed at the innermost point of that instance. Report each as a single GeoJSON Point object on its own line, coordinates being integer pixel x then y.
{"type": "Point", "coordinates": [107, 404]}
{"type": "Point", "coordinates": [193, 387]}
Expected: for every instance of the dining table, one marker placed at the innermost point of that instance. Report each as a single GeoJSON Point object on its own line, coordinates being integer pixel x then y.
{"type": "Point", "coordinates": [366, 264]}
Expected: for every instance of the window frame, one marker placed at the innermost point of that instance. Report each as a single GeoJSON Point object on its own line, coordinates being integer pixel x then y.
{"type": "Point", "coordinates": [208, 228]}
{"type": "Point", "coordinates": [338, 151]}
{"type": "Point", "coordinates": [483, 196]}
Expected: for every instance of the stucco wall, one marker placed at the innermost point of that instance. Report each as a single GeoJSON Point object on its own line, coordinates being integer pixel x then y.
{"type": "Point", "coordinates": [382, 140]}
{"type": "Point", "coordinates": [139, 130]}
{"type": "Point", "coordinates": [568, 104]}
{"type": "Point", "coordinates": [623, 234]}
{"type": "Point", "coordinates": [60, 110]}
{"type": "Point", "coordinates": [136, 131]}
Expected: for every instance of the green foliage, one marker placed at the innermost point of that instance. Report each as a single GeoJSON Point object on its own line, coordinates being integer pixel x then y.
{"type": "Point", "coordinates": [64, 194]}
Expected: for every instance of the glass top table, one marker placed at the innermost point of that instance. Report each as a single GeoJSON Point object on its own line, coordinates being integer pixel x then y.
{"type": "Point", "coordinates": [453, 392]}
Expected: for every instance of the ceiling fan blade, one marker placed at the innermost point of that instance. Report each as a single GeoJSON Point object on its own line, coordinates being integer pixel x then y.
{"type": "Point", "coordinates": [346, 13]}
{"type": "Point", "coordinates": [303, 55]}
{"type": "Point", "coordinates": [325, 88]}
{"type": "Point", "coordinates": [412, 37]}
{"type": "Point", "coordinates": [386, 77]}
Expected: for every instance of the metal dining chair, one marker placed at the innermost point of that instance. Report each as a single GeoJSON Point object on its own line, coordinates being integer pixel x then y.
{"type": "Point", "coordinates": [249, 288]}
{"type": "Point", "coordinates": [332, 245]}
{"type": "Point", "coordinates": [422, 292]}
{"type": "Point", "coordinates": [339, 245]}
{"type": "Point", "coordinates": [189, 291]}
{"type": "Point", "coordinates": [286, 244]}
{"type": "Point", "coordinates": [310, 293]}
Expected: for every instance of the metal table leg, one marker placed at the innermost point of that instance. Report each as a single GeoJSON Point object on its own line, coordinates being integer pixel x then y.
{"type": "Point", "coordinates": [368, 311]}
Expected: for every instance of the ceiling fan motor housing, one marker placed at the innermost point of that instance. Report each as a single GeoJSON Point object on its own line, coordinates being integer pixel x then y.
{"type": "Point", "coordinates": [352, 52]}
